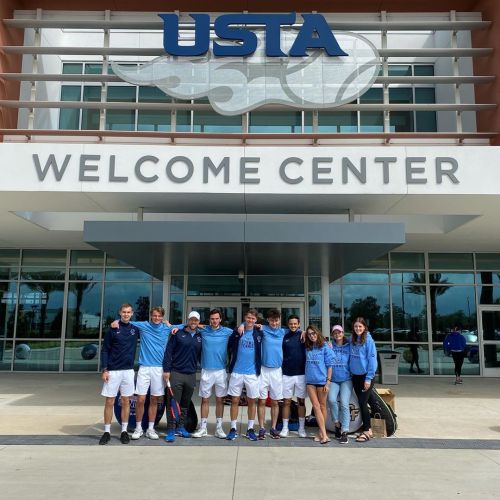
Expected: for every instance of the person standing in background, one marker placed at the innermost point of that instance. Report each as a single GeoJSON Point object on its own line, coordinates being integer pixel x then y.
{"type": "Point", "coordinates": [455, 343]}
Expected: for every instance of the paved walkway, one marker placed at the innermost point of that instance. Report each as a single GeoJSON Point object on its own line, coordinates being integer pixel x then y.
{"type": "Point", "coordinates": [447, 446]}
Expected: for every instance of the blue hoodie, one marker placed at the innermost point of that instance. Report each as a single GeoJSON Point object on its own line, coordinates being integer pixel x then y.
{"type": "Point", "coordinates": [341, 356]}
{"type": "Point", "coordinates": [454, 342]}
{"type": "Point", "coordinates": [363, 360]}
{"type": "Point", "coordinates": [318, 360]}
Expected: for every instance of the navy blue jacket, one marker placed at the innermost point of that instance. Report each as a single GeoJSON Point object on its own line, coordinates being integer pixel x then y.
{"type": "Point", "coordinates": [294, 354]}
{"type": "Point", "coordinates": [454, 342]}
{"type": "Point", "coordinates": [234, 344]}
{"type": "Point", "coordinates": [183, 352]}
{"type": "Point", "coordinates": [119, 346]}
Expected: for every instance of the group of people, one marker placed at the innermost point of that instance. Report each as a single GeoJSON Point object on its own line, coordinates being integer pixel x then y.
{"type": "Point", "coordinates": [268, 361]}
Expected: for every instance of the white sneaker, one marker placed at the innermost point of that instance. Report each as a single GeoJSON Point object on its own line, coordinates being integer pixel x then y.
{"type": "Point", "coordinates": [137, 433]}
{"type": "Point", "coordinates": [200, 432]}
{"type": "Point", "coordinates": [284, 433]}
{"type": "Point", "coordinates": [302, 433]}
{"type": "Point", "coordinates": [152, 434]}
{"type": "Point", "coordinates": [219, 433]}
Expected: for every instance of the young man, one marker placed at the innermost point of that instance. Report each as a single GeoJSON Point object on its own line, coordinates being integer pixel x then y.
{"type": "Point", "coordinates": [117, 365]}
{"type": "Point", "coordinates": [294, 382]}
{"type": "Point", "coordinates": [213, 372]}
{"type": "Point", "coordinates": [244, 367]}
{"type": "Point", "coordinates": [179, 369]}
{"type": "Point", "coordinates": [154, 337]}
{"type": "Point", "coordinates": [271, 378]}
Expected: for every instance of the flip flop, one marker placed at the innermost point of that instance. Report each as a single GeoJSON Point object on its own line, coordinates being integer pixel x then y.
{"type": "Point", "coordinates": [317, 439]}
{"type": "Point", "coordinates": [363, 438]}
{"type": "Point", "coordinates": [325, 441]}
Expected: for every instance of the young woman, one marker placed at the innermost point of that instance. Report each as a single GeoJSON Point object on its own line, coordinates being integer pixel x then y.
{"type": "Point", "coordinates": [318, 375]}
{"type": "Point", "coordinates": [363, 365]}
{"type": "Point", "coordinates": [455, 343]}
{"type": "Point", "coordinates": [341, 384]}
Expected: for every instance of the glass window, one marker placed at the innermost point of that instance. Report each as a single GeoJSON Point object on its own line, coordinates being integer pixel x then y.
{"type": "Point", "coordinates": [90, 258]}
{"type": "Point", "coordinates": [443, 362]}
{"type": "Point", "coordinates": [90, 117]}
{"type": "Point", "coordinates": [85, 274]}
{"type": "Point", "coordinates": [335, 306]}
{"type": "Point", "coordinates": [399, 70]}
{"type": "Point", "coordinates": [338, 122]}
{"type": "Point", "coordinates": [8, 297]}
{"type": "Point", "coordinates": [37, 356]}
{"type": "Point", "coordinates": [426, 121]}
{"type": "Point", "coordinates": [153, 121]}
{"type": "Point", "coordinates": [69, 119]}
{"type": "Point", "coordinates": [215, 285]}
{"type": "Point", "coordinates": [314, 284]}
{"type": "Point", "coordinates": [488, 278]}
{"type": "Point", "coordinates": [93, 68]}
{"type": "Point", "coordinates": [413, 359]}
{"type": "Point", "coordinates": [372, 121]}
{"type": "Point", "coordinates": [408, 278]}
{"type": "Point", "coordinates": [409, 313]}
{"type": "Point", "coordinates": [115, 294]}
{"type": "Point", "coordinates": [488, 295]}
{"type": "Point", "coordinates": [366, 277]}
{"type": "Point", "coordinates": [40, 310]}
{"type": "Point", "coordinates": [157, 298]}
{"type": "Point", "coordinates": [9, 262]}
{"type": "Point", "coordinates": [127, 274]}
{"type": "Point", "coordinates": [271, 122]}
{"type": "Point", "coordinates": [72, 68]}
{"type": "Point", "coordinates": [452, 306]}
{"type": "Point", "coordinates": [423, 70]}
{"type": "Point", "coordinates": [450, 261]}
{"type": "Point", "coordinates": [407, 260]}
{"type": "Point", "coordinates": [81, 356]}
{"type": "Point", "coordinates": [210, 121]}
{"type": "Point", "coordinates": [183, 121]}
{"type": "Point", "coordinates": [485, 261]}
{"type": "Point", "coordinates": [381, 262]}
{"type": "Point", "coordinates": [372, 303]}
{"type": "Point", "coordinates": [449, 278]}
{"type": "Point", "coordinates": [45, 258]}
{"type": "Point", "coordinates": [84, 310]}
{"type": "Point", "coordinates": [314, 304]}
{"type": "Point", "coordinates": [176, 308]}
{"type": "Point", "coordinates": [401, 121]}
{"type": "Point", "coordinates": [276, 286]}
{"type": "Point", "coordinates": [121, 119]}
{"type": "Point", "coordinates": [6, 351]}
{"type": "Point", "coordinates": [177, 284]}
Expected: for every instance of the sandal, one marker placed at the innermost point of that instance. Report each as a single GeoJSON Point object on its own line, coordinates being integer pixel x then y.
{"type": "Point", "coordinates": [317, 439]}
{"type": "Point", "coordinates": [324, 441]}
{"type": "Point", "coordinates": [362, 438]}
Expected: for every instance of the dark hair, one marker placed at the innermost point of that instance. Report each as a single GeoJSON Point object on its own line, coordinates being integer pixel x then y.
{"type": "Point", "coordinates": [273, 314]}
{"type": "Point", "coordinates": [293, 316]}
{"type": "Point", "coordinates": [320, 340]}
{"type": "Point", "coordinates": [362, 338]}
{"type": "Point", "coordinates": [215, 311]}
{"type": "Point", "coordinates": [124, 305]}
{"type": "Point", "coordinates": [158, 309]}
{"type": "Point", "coordinates": [253, 312]}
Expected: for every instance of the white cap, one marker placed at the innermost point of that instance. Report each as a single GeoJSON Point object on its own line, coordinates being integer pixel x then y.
{"type": "Point", "coordinates": [194, 314]}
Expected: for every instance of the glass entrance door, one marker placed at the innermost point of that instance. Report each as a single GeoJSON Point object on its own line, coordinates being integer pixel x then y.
{"type": "Point", "coordinates": [489, 340]}
{"type": "Point", "coordinates": [286, 308]}
{"type": "Point", "coordinates": [231, 311]}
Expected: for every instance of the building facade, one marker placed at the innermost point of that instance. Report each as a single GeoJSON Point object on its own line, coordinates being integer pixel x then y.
{"type": "Point", "coordinates": [133, 176]}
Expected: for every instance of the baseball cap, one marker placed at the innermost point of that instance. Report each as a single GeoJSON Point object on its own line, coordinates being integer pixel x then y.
{"type": "Point", "coordinates": [194, 314]}
{"type": "Point", "coordinates": [337, 327]}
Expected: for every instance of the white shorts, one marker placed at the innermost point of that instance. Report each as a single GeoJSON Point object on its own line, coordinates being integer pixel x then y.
{"type": "Point", "coordinates": [271, 380]}
{"type": "Point", "coordinates": [210, 378]}
{"type": "Point", "coordinates": [294, 386]}
{"type": "Point", "coordinates": [238, 380]}
{"type": "Point", "coordinates": [119, 380]}
{"type": "Point", "coordinates": [150, 376]}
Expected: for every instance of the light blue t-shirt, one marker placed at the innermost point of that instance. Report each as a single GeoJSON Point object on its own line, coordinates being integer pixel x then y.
{"type": "Point", "coordinates": [272, 346]}
{"type": "Point", "coordinates": [154, 339]}
{"type": "Point", "coordinates": [214, 347]}
{"type": "Point", "coordinates": [245, 362]}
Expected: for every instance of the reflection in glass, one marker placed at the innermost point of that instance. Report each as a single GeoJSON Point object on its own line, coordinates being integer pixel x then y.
{"type": "Point", "coordinates": [177, 284]}
{"type": "Point", "coordinates": [488, 295]}
{"type": "Point", "coordinates": [215, 285]}
{"type": "Point", "coordinates": [46, 258]}
{"type": "Point", "coordinates": [314, 304]}
{"type": "Point", "coordinates": [335, 306]}
{"type": "Point", "coordinates": [40, 310]}
{"type": "Point", "coordinates": [487, 261]}
{"type": "Point", "coordinates": [488, 278]}
{"type": "Point", "coordinates": [409, 313]}
{"type": "Point", "coordinates": [491, 355]}
{"type": "Point", "coordinates": [81, 356]}
{"type": "Point", "coordinates": [6, 352]}
{"type": "Point", "coordinates": [127, 274]}
{"type": "Point", "coordinates": [491, 325]}
{"type": "Point", "coordinates": [85, 274]}
{"type": "Point", "coordinates": [450, 261]}
{"type": "Point", "coordinates": [276, 286]}
{"type": "Point", "coordinates": [371, 303]}
{"type": "Point", "coordinates": [407, 260]}
{"type": "Point", "coordinates": [366, 277]}
{"type": "Point", "coordinates": [443, 363]}
{"type": "Point", "coordinates": [40, 273]}
{"type": "Point", "coordinates": [8, 297]}
{"type": "Point", "coordinates": [314, 284]}
{"type": "Point", "coordinates": [37, 356]}
{"type": "Point", "coordinates": [84, 310]}
{"type": "Point", "coordinates": [457, 278]}
{"type": "Point", "coordinates": [414, 359]}
{"type": "Point", "coordinates": [90, 258]}
{"type": "Point", "coordinates": [176, 308]}
{"type": "Point", "coordinates": [137, 294]}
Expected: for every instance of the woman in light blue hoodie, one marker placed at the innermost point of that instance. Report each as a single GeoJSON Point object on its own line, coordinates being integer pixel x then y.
{"type": "Point", "coordinates": [363, 365]}
{"type": "Point", "coordinates": [341, 384]}
{"type": "Point", "coordinates": [318, 375]}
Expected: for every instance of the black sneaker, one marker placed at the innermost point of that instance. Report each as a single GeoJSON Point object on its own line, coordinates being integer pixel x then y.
{"type": "Point", "coordinates": [124, 438]}
{"type": "Point", "coordinates": [105, 438]}
{"type": "Point", "coordinates": [343, 438]}
{"type": "Point", "coordinates": [337, 432]}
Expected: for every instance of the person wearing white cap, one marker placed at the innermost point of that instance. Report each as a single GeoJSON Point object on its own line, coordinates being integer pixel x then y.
{"type": "Point", "coordinates": [180, 363]}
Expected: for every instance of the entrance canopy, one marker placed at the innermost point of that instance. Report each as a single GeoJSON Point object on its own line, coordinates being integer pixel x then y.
{"type": "Point", "coordinates": [285, 248]}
